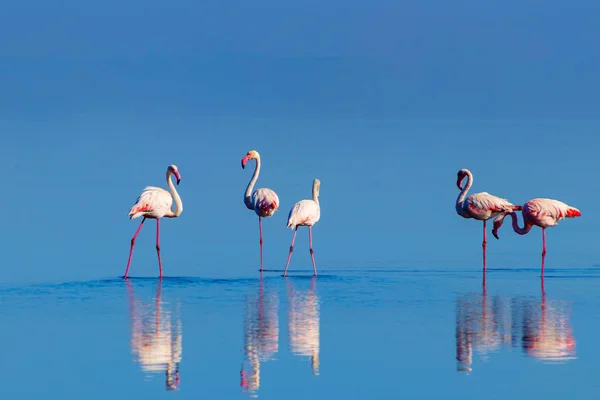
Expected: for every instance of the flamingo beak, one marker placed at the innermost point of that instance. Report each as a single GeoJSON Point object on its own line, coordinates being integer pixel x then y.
{"type": "Point", "coordinates": [176, 173]}
{"type": "Point", "coordinates": [245, 160]}
{"type": "Point", "coordinates": [495, 233]}
{"type": "Point", "coordinates": [497, 225]}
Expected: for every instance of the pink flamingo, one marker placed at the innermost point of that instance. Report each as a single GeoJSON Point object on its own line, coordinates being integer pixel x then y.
{"type": "Point", "coordinates": [481, 206]}
{"type": "Point", "coordinates": [263, 201]}
{"type": "Point", "coordinates": [155, 202]}
{"type": "Point", "coordinates": [305, 213]}
{"type": "Point", "coordinates": [541, 212]}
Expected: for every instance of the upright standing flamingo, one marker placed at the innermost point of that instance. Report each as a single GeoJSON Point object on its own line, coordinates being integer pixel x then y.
{"type": "Point", "coordinates": [263, 201]}
{"type": "Point", "coordinates": [481, 206]}
{"type": "Point", "coordinates": [155, 202]}
{"type": "Point", "coordinates": [541, 212]}
{"type": "Point", "coordinates": [305, 213]}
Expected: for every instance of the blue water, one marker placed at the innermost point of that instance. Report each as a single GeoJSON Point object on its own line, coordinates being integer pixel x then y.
{"type": "Point", "coordinates": [355, 334]}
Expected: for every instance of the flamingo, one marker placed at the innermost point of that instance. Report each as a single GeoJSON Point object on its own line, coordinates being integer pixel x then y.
{"type": "Point", "coordinates": [263, 201]}
{"type": "Point", "coordinates": [155, 202]}
{"type": "Point", "coordinates": [541, 212]}
{"type": "Point", "coordinates": [305, 213]}
{"type": "Point", "coordinates": [481, 206]}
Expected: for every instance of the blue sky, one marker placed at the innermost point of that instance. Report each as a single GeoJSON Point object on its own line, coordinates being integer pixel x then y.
{"type": "Point", "coordinates": [382, 101]}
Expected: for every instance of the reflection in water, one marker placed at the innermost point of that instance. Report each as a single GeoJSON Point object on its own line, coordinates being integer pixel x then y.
{"type": "Point", "coordinates": [543, 327]}
{"type": "Point", "coordinates": [155, 338]}
{"type": "Point", "coordinates": [303, 323]}
{"type": "Point", "coordinates": [548, 336]}
{"type": "Point", "coordinates": [261, 336]}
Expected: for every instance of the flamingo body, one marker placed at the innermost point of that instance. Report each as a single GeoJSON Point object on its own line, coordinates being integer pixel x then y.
{"type": "Point", "coordinates": [547, 212]}
{"type": "Point", "coordinates": [304, 213]}
{"type": "Point", "coordinates": [154, 202]}
{"type": "Point", "coordinates": [264, 202]}
{"type": "Point", "coordinates": [483, 206]}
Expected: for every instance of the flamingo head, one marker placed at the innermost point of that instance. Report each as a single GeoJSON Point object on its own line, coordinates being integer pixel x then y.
{"type": "Point", "coordinates": [252, 155]}
{"type": "Point", "coordinates": [461, 175]}
{"type": "Point", "coordinates": [175, 171]}
{"type": "Point", "coordinates": [497, 224]}
{"type": "Point", "coordinates": [316, 188]}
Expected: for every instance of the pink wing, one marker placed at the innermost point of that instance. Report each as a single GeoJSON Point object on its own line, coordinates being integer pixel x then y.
{"type": "Point", "coordinates": [547, 212]}
{"type": "Point", "coordinates": [485, 206]}
{"type": "Point", "coordinates": [153, 201]}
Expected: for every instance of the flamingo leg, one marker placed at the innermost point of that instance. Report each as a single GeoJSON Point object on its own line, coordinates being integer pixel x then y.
{"type": "Point", "coordinates": [131, 247]}
{"type": "Point", "coordinates": [261, 243]}
{"type": "Point", "coordinates": [312, 253]}
{"type": "Point", "coordinates": [484, 245]}
{"type": "Point", "coordinates": [290, 254]}
{"type": "Point", "coordinates": [158, 245]}
{"type": "Point", "coordinates": [543, 249]}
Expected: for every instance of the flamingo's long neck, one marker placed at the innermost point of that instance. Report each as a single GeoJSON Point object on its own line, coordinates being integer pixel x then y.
{"type": "Point", "coordinates": [248, 195]}
{"type": "Point", "coordinates": [315, 193]}
{"type": "Point", "coordinates": [463, 194]}
{"type": "Point", "coordinates": [515, 223]}
{"type": "Point", "coordinates": [178, 204]}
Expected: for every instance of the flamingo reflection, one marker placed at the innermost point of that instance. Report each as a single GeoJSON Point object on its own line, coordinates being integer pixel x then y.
{"type": "Point", "coordinates": [303, 323]}
{"type": "Point", "coordinates": [480, 326]}
{"type": "Point", "coordinates": [156, 336]}
{"type": "Point", "coordinates": [484, 328]}
{"type": "Point", "coordinates": [549, 337]}
{"type": "Point", "coordinates": [261, 336]}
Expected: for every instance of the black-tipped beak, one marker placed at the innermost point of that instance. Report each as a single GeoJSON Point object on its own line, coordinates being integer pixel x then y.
{"type": "Point", "coordinates": [495, 234]}
{"type": "Point", "coordinates": [245, 160]}
{"type": "Point", "coordinates": [178, 180]}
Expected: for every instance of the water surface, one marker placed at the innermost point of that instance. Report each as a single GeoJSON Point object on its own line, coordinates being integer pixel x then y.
{"type": "Point", "coordinates": [356, 334]}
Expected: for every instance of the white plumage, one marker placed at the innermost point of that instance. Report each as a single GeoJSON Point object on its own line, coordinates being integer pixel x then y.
{"type": "Point", "coordinates": [265, 202]}
{"type": "Point", "coordinates": [547, 212]}
{"type": "Point", "coordinates": [483, 206]}
{"type": "Point", "coordinates": [154, 202]}
{"type": "Point", "coordinates": [304, 213]}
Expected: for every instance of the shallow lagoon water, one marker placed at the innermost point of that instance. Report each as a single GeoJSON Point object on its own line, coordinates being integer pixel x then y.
{"type": "Point", "coordinates": [355, 334]}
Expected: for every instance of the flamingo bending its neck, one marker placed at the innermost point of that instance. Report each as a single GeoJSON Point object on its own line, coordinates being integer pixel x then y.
{"type": "Point", "coordinates": [155, 202]}
{"type": "Point", "coordinates": [263, 201]}
{"type": "Point", "coordinates": [305, 213]}
{"type": "Point", "coordinates": [541, 212]}
{"type": "Point", "coordinates": [481, 206]}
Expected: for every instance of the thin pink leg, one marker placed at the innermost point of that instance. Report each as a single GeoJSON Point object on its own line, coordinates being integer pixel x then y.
{"type": "Point", "coordinates": [484, 245]}
{"type": "Point", "coordinates": [290, 254]}
{"type": "Point", "coordinates": [543, 249]}
{"type": "Point", "coordinates": [158, 245]}
{"type": "Point", "coordinates": [312, 253]}
{"type": "Point", "coordinates": [261, 243]}
{"type": "Point", "coordinates": [131, 248]}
